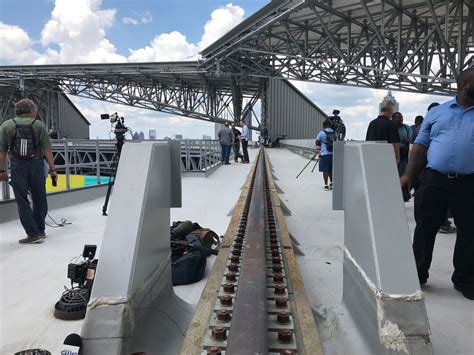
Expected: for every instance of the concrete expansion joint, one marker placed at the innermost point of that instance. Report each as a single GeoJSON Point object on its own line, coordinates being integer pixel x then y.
{"type": "Point", "coordinates": [107, 301]}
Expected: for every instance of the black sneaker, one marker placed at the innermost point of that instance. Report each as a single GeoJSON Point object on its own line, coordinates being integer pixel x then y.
{"type": "Point", "coordinates": [448, 229]}
{"type": "Point", "coordinates": [31, 240]}
{"type": "Point", "coordinates": [467, 291]}
{"type": "Point", "coordinates": [326, 188]}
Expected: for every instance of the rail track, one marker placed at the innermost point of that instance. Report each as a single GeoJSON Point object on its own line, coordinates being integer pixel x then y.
{"type": "Point", "coordinates": [254, 300]}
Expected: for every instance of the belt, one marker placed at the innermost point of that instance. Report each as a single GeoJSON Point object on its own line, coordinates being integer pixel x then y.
{"type": "Point", "coordinates": [452, 175]}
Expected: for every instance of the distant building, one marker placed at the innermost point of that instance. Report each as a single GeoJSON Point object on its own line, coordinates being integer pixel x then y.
{"type": "Point", "coordinates": [205, 136]}
{"type": "Point", "coordinates": [389, 98]}
{"type": "Point", "coordinates": [178, 136]}
{"type": "Point", "coordinates": [135, 136]}
{"type": "Point", "coordinates": [141, 135]}
{"type": "Point", "coordinates": [152, 134]}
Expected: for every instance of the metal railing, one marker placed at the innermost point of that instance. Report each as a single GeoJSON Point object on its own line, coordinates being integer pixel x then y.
{"type": "Point", "coordinates": [97, 158]}
{"type": "Point", "coordinates": [304, 147]}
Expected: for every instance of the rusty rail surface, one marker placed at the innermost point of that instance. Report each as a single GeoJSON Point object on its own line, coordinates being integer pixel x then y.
{"type": "Point", "coordinates": [254, 301]}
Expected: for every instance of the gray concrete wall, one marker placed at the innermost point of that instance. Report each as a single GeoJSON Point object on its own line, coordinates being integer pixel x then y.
{"type": "Point", "coordinates": [381, 288]}
{"type": "Point", "coordinates": [133, 307]}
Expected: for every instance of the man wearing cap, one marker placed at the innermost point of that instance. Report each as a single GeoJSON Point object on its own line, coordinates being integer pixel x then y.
{"type": "Point", "coordinates": [446, 144]}
{"type": "Point", "coordinates": [27, 171]}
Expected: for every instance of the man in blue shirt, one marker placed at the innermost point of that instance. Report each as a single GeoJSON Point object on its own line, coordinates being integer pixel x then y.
{"type": "Point", "coordinates": [245, 141]}
{"type": "Point", "coordinates": [445, 145]}
{"type": "Point", "coordinates": [324, 143]}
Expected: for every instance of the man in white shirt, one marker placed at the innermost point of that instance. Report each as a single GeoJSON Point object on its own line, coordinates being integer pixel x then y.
{"type": "Point", "coordinates": [245, 141]}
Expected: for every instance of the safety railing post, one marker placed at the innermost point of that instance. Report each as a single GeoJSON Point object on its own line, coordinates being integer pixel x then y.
{"type": "Point", "coordinates": [66, 164]}
{"type": "Point", "coordinates": [97, 161]}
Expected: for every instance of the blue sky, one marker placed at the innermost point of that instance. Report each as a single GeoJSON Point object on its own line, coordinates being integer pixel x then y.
{"type": "Point", "coordinates": [92, 31]}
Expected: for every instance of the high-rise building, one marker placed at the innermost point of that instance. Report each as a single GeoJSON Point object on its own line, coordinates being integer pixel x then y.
{"type": "Point", "coordinates": [178, 136]}
{"type": "Point", "coordinates": [390, 98]}
{"type": "Point", "coordinates": [141, 135]}
{"type": "Point", "coordinates": [205, 136]}
{"type": "Point", "coordinates": [152, 134]}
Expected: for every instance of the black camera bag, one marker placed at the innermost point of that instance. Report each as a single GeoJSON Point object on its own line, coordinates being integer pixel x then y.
{"type": "Point", "coordinates": [191, 265]}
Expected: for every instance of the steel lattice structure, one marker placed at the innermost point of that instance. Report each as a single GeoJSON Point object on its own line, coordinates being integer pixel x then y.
{"type": "Point", "coordinates": [408, 45]}
{"type": "Point", "coordinates": [178, 88]}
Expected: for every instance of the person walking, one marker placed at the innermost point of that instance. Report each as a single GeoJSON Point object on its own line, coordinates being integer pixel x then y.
{"type": "Point", "coordinates": [226, 138]}
{"type": "Point", "coordinates": [245, 141]}
{"type": "Point", "coordinates": [236, 145]}
{"type": "Point", "coordinates": [26, 141]}
{"type": "Point", "coordinates": [416, 128]}
{"type": "Point", "coordinates": [383, 129]}
{"type": "Point", "coordinates": [445, 144]}
{"type": "Point", "coordinates": [324, 144]}
{"type": "Point", "coordinates": [404, 133]}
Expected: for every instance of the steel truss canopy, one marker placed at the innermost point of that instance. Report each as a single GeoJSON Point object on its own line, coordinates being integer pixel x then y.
{"type": "Point", "coordinates": [408, 45]}
{"type": "Point", "coordinates": [179, 88]}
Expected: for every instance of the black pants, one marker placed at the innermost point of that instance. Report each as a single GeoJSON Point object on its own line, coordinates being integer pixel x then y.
{"type": "Point", "coordinates": [244, 149]}
{"type": "Point", "coordinates": [237, 155]}
{"type": "Point", "coordinates": [435, 195]}
{"type": "Point", "coordinates": [29, 176]}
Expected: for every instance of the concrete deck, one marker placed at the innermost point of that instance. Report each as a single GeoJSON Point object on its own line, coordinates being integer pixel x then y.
{"type": "Point", "coordinates": [32, 276]}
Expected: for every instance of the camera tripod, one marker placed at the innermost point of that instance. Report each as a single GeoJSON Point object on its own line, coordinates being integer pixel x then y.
{"type": "Point", "coordinates": [119, 131]}
{"type": "Point", "coordinates": [312, 158]}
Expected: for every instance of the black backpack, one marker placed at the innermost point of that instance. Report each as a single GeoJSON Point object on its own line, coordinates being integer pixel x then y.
{"type": "Point", "coordinates": [330, 138]}
{"type": "Point", "coordinates": [23, 144]}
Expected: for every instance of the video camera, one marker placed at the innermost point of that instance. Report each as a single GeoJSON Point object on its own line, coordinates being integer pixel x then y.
{"type": "Point", "coordinates": [73, 301]}
{"type": "Point", "coordinates": [337, 125]}
{"type": "Point", "coordinates": [120, 129]}
{"type": "Point", "coordinates": [84, 271]}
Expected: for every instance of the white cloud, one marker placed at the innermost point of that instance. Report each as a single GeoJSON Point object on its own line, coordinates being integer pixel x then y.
{"type": "Point", "coordinates": [165, 47]}
{"type": "Point", "coordinates": [222, 20]}
{"type": "Point", "coordinates": [78, 28]}
{"type": "Point", "coordinates": [16, 45]}
{"type": "Point", "coordinates": [174, 45]}
{"type": "Point", "coordinates": [141, 19]}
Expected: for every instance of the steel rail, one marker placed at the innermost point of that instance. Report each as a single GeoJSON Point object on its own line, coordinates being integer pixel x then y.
{"type": "Point", "coordinates": [249, 323]}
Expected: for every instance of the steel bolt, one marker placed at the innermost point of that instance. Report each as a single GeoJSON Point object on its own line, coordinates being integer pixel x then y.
{"type": "Point", "coordinates": [236, 252]}
{"type": "Point", "coordinates": [283, 317]}
{"type": "Point", "coordinates": [223, 315]}
{"type": "Point", "coordinates": [285, 335]}
{"type": "Point", "coordinates": [239, 239]}
{"type": "Point", "coordinates": [275, 260]}
{"type": "Point", "coordinates": [274, 246]}
{"type": "Point", "coordinates": [233, 267]}
{"type": "Point", "coordinates": [275, 252]}
{"type": "Point", "coordinates": [226, 300]}
{"type": "Point", "coordinates": [235, 259]}
{"type": "Point", "coordinates": [219, 334]}
{"type": "Point", "coordinates": [238, 246]}
{"type": "Point", "coordinates": [230, 276]}
{"type": "Point", "coordinates": [279, 290]}
{"type": "Point", "coordinates": [287, 352]}
{"type": "Point", "coordinates": [229, 288]}
{"type": "Point", "coordinates": [281, 302]}
{"type": "Point", "coordinates": [277, 268]}
{"type": "Point", "coordinates": [214, 351]}
{"type": "Point", "coordinates": [278, 278]}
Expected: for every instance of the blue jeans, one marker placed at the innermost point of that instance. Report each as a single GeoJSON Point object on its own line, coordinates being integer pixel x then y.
{"type": "Point", "coordinates": [226, 153]}
{"type": "Point", "coordinates": [28, 175]}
